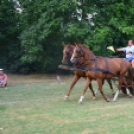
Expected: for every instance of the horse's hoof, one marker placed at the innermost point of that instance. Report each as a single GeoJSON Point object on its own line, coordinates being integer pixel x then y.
{"type": "Point", "coordinates": [114, 100]}
{"type": "Point", "coordinates": [66, 97]}
{"type": "Point", "coordinates": [113, 94]}
{"type": "Point", "coordinates": [94, 97]}
{"type": "Point", "coordinates": [131, 96]}
{"type": "Point", "coordinates": [79, 102]}
{"type": "Point", "coordinates": [108, 100]}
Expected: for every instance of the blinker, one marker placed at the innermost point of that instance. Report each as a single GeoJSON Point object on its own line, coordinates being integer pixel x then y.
{"type": "Point", "coordinates": [68, 52]}
{"type": "Point", "coordinates": [78, 50]}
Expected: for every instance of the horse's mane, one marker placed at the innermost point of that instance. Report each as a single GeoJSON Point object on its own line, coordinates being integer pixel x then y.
{"type": "Point", "coordinates": [85, 47]}
{"type": "Point", "coordinates": [72, 46]}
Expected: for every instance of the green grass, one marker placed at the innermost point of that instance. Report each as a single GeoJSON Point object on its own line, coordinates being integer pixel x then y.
{"type": "Point", "coordinates": [39, 108]}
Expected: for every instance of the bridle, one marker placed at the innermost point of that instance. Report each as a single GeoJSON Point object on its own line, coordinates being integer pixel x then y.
{"type": "Point", "coordinates": [90, 60]}
{"type": "Point", "coordinates": [68, 52]}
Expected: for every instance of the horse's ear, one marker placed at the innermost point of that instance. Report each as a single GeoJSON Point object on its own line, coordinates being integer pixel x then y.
{"type": "Point", "coordinates": [63, 45]}
{"type": "Point", "coordinates": [69, 44]}
{"type": "Point", "coordinates": [76, 43]}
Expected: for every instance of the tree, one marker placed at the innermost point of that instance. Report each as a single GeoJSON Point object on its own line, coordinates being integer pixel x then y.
{"type": "Point", "coordinates": [113, 23]}
{"type": "Point", "coordinates": [31, 40]}
{"type": "Point", "coordinates": [98, 24]}
{"type": "Point", "coordinates": [9, 30]}
{"type": "Point", "coordinates": [43, 37]}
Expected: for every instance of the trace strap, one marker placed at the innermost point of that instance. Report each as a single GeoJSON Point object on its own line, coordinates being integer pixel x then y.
{"type": "Point", "coordinates": [99, 69]}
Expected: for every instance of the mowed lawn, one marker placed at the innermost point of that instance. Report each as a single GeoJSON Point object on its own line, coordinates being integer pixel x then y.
{"type": "Point", "coordinates": [34, 104]}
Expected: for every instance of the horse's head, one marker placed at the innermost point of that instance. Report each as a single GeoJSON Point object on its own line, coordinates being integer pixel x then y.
{"type": "Point", "coordinates": [77, 53]}
{"type": "Point", "coordinates": [67, 53]}
{"type": "Point", "coordinates": [80, 53]}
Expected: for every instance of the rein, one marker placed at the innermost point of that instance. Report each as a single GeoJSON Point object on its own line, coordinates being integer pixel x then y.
{"type": "Point", "coordinates": [91, 60]}
{"type": "Point", "coordinates": [98, 69]}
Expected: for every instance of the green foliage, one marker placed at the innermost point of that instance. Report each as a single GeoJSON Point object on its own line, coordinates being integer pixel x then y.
{"type": "Point", "coordinates": [9, 42]}
{"type": "Point", "coordinates": [31, 39]}
{"type": "Point", "coordinates": [113, 22]}
{"type": "Point", "coordinates": [42, 41]}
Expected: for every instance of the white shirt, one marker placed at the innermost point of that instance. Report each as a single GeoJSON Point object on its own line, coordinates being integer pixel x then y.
{"type": "Point", "coordinates": [129, 48]}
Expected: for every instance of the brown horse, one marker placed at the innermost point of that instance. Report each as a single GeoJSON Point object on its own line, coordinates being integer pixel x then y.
{"type": "Point", "coordinates": [117, 66]}
{"type": "Point", "coordinates": [67, 53]}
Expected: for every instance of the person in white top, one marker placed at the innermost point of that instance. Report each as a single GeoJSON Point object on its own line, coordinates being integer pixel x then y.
{"type": "Point", "coordinates": [129, 51]}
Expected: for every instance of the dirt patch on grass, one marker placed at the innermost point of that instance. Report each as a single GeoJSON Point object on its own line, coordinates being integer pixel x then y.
{"type": "Point", "coordinates": [22, 117]}
{"type": "Point", "coordinates": [85, 131]}
{"type": "Point", "coordinates": [36, 78]}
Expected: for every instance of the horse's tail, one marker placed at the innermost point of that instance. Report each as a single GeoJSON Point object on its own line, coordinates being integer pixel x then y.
{"type": "Point", "coordinates": [130, 76]}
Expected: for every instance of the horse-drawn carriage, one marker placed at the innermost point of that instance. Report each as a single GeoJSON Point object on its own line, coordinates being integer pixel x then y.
{"type": "Point", "coordinates": [115, 70]}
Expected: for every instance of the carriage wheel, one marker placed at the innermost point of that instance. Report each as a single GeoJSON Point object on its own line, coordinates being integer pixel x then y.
{"type": "Point", "coordinates": [124, 90]}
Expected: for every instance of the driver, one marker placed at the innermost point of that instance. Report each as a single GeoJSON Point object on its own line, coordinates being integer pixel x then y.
{"type": "Point", "coordinates": [129, 50]}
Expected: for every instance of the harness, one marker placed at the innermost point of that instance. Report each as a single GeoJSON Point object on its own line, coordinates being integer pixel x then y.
{"type": "Point", "coordinates": [68, 52]}
{"type": "Point", "coordinates": [95, 68]}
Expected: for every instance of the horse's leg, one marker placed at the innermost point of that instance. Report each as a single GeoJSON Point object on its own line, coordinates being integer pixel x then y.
{"type": "Point", "coordinates": [122, 80]}
{"type": "Point", "coordinates": [100, 82]}
{"type": "Point", "coordinates": [91, 88]}
{"type": "Point", "coordinates": [128, 92]}
{"type": "Point", "coordinates": [76, 78]}
{"type": "Point", "coordinates": [84, 90]}
{"type": "Point", "coordinates": [98, 89]}
{"type": "Point", "coordinates": [111, 86]}
{"type": "Point", "coordinates": [119, 87]}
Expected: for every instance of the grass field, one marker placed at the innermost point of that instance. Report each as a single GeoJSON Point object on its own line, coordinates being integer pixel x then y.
{"type": "Point", "coordinates": [34, 104]}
